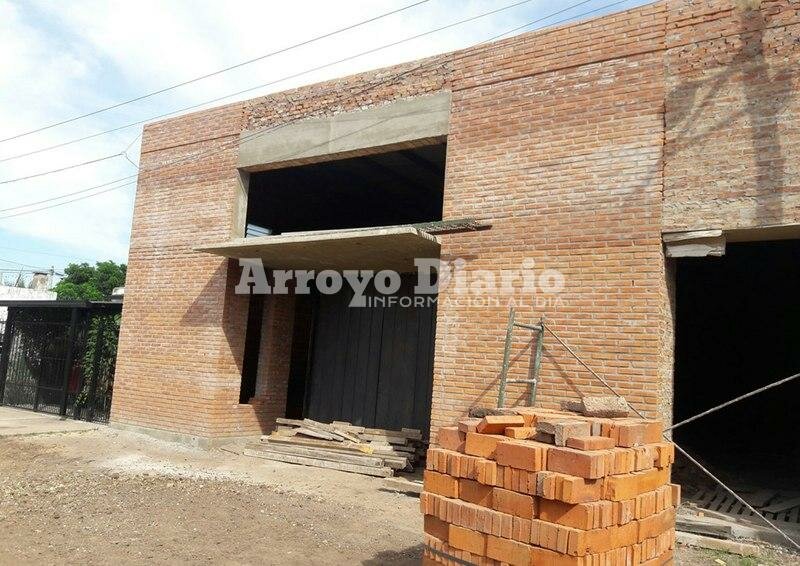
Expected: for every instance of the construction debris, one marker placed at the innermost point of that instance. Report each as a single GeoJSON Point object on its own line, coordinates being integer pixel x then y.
{"type": "Point", "coordinates": [403, 485]}
{"type": "Point", "coordinates": [341, 446]}
{"type": "Point", "coordinates": [503, 500]}
{"type": "Point", "coordinates": [712, 511]}
{"type": "Point", "coordinates": [733, 547]}
{"type": "Point", "coordinates": [608, 406]}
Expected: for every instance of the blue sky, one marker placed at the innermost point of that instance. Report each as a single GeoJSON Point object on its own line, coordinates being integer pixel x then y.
{"type": "Point", "coordinates": [61, 59]}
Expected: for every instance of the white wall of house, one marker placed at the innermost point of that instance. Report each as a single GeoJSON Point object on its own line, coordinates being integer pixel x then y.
{"type": "Point", "coordinates": [22, 294]}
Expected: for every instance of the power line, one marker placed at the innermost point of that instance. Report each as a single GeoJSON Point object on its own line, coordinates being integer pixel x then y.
{"type": "Point", "coordinates": [601, 8]}
{"type": "Point", "coordinates": [68, 201]}
{"type": "Point", "coordinates": [385, 46]}
{"type": "Point", "coordinates": [68, 167]}
{"type": "Point", "coordinates": [42, 253]}
{"type": "Point", "coordinates": [25, 265]}
{"type": "Point", "coordinates": [268, 130]}
{"type": "Point", "coordinates": [282, 79]}
{"type": "Point", "coordinates": [734, 400]}
{"type": "Point", "coordinates": [133, 141]}
{"type": "Point", "coordinates": [215, 73]}
{"type": "Point", "coordinates": [123, 153]}
{"type": "Point", "coordinates": [130, 178]}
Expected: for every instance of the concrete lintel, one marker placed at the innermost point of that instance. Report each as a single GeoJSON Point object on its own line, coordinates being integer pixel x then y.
{"type": "Point", "coordinates": [694, 243]}
{"type": "Point", "coordinates": [404, 123]}
{"type": "Point", "coordinates": [670, 237]}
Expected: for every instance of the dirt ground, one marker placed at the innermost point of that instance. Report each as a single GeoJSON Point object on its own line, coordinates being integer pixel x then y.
{"type": "Point", "coordinates": [111, 497]}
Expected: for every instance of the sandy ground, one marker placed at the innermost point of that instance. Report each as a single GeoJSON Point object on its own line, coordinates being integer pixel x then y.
{"type": "Point", "coordinates": [103, 497]}
{"type": "Point", "coordinates": [111, 497]}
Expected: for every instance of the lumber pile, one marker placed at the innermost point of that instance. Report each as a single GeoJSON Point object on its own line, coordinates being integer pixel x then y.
{"type": "Point", "coordinates": [545, 487]}
{"type": "Point", "coordinates": [342, 446]}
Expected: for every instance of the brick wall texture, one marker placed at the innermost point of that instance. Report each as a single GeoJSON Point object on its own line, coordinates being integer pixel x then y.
{"type": "Point", "coordinates": [579, 144]}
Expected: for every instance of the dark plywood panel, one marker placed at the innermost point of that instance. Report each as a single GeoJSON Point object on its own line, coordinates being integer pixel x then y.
{"type": "Point", "coordinates": [372, 366]}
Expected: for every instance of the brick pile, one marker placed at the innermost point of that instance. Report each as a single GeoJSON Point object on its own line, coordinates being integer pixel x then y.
{"type": "Point", "coordinates": [544, 487]}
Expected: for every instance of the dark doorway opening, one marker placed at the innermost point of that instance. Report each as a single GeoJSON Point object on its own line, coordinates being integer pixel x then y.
{"type": "Point", "coordinates": [737, 329]}
{"type": "Point", "coordinates": [300, 363]}
{"type": "Point", "coordinates": [252, 345]}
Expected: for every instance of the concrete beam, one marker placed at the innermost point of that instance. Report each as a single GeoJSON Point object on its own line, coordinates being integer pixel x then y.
{"type": "Point", "coordinates": [402, 124]}
{"type": "Point", "coordinates": [698, 243]}
{"type": "Point", "coordinates": [393, 247]}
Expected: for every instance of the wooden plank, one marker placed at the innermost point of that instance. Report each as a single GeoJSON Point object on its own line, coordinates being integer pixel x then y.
{"type": "Point", "coordinates": [397, 440]}
{"type": "Point", "coordinates": [348, 427]}
{"type": "Point", "coordinates": [343, 446]}
{"type": "Point", "coordinates": [780, 506]}
{"type": "Point", "coordinates": [394, 461]}
{"type": "Point", "coordinates": [699, 526]}
{"type": "Point", "coordinates": [409, 433]}
{"type": "Point", "coordinates": [322, 454]}
{"type": "Point", "coordinates": [317, 463]}
{"type": "Point", "coordinates": [760, 497]}
{"type": "Point", "coordinates": [734, 547]}
{"type": "Point", "coordinates": [330, 429]}
{"type": "Point", "coordinates": [403, 485]}
{"type": "Point", "coordinates": [318, 434]}
{"type": "Point", "coordinates": [289, 422]}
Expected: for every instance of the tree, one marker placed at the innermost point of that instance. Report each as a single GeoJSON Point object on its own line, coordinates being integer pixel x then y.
{"type": "Point", "coordinates": [82, 281]}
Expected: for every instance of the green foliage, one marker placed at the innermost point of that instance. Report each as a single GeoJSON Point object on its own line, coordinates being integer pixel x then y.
{"type": "Point", "coordinates": [90, 283]}
{"type": "Point", "coordinates": [99, 360]}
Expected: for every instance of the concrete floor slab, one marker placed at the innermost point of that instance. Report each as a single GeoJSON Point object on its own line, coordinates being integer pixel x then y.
{"type": "Point", "coordinates": [20, 422]}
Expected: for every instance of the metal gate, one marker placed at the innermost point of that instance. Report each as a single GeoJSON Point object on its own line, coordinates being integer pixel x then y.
{"type": "Point", "coordinates": [59, 357]}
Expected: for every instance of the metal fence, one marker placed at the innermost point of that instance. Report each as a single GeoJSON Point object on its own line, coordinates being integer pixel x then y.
{"type": "Point", "coordinates": [59, 358]}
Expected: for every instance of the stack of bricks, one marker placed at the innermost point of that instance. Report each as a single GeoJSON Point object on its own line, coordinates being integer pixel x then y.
{"type": "Point", "coordinates": [545, 487]}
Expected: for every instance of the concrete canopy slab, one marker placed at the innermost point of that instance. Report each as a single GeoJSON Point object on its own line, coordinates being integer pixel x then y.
{"type": "Point", "coordinates": [393, 247]}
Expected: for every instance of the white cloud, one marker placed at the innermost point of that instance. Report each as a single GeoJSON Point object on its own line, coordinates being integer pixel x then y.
{"type": "Point", "coordinates": [61, 59]}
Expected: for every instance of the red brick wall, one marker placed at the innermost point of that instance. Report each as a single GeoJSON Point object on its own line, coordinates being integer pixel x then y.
{"type": "Point", "coordinates": [180, 343]}
{"type": "Point", "coordinates": [566, 166]}
{"type": "Point", "coordinates": [182, 337]}
{"type": "Point", "coordinates": [732, 115]}
{"type": "Point", "coordinates": [578, 144]}
{"type": "Point", "coordinates": [274, 358]}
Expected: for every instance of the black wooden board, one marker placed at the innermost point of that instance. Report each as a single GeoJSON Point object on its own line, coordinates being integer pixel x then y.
{"type": "Point", "coordinates": [372, 366]}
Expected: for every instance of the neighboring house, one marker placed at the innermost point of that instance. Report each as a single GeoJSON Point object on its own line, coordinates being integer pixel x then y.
{"type": "Point", "coordinates": [607, 151]}
{"type": "Point", "coordinates": [8, 293]}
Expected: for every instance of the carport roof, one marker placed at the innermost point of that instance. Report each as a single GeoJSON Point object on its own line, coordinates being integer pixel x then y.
{"type": "Point", "coordinates": [60, 304]}
{"type": "Point", "coordinates": [393, 247]}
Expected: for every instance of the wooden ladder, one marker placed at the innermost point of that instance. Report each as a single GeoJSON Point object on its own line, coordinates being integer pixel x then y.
{"type": "Point", "coordinates": [538, 330]}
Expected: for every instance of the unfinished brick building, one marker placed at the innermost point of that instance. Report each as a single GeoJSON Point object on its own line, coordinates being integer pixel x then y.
{"type": "Point", "coordinates": [608, 150]}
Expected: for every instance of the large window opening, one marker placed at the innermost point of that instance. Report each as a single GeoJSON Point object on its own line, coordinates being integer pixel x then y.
{"type": "Point", "coordinates": [368, 365]}
{"type": "Point", "coordinates": [384, 189]}
{"type": "Point", "coordinates": [737, 329]}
